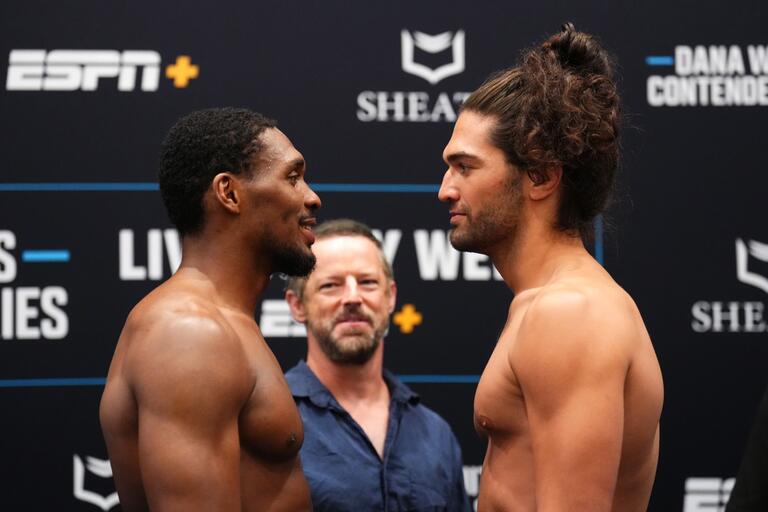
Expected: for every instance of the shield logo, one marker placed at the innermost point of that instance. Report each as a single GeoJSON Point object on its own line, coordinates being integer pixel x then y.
{"type": "Point", "coordinates": [100, 468]}
{"type": "Point", "coordinates": [758, 251]}
{"type": "Point", "coordinates": [432, 44]}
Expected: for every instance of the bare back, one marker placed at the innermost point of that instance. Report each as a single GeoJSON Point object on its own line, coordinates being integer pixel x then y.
{"type": "Point", "coordinates": [196, 412]}
{"type": "Point", "coordinates": [570, 400]}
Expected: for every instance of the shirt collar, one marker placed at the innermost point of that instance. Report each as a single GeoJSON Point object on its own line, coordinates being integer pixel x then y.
{"type": "Point", "coordinates": [305, 384]}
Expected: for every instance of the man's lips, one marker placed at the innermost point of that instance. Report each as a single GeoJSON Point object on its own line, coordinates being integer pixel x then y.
{"type": "Point", "coordinates": [306, 224]}
{"type": "Point", "coordinates": [455, 217]}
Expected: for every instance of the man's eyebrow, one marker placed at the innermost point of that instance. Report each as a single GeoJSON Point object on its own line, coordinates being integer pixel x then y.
{"type": "Point", "coordinates": [296, 164]}
{"type": "Point", "coordinates": [459, 155]}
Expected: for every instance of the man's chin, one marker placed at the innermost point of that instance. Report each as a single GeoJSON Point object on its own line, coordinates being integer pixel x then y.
{"type": "Point", "coordinates": [350, 348]}
{"type": "Point", "coordinates": [299, 263]}
{"type": "Point", "coordinates": [462, 241]}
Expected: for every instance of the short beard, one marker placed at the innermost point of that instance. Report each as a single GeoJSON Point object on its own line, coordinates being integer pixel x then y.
{"type": "Point", "coordinates": [292, 261]}
{"type": "Point", "coordinates": [358, 354]}
{"type": "Point", "coordinates": [496, 221]}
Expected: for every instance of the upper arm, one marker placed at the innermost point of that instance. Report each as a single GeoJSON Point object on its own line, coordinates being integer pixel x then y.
{"type": "Point", "coordinates": [190, 382]}
{"type": "Point", "coordinates": [571, 360]}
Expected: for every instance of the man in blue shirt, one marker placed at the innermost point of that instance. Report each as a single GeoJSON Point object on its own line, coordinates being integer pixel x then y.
{"type": "Point", "coordinates": [369, 445]}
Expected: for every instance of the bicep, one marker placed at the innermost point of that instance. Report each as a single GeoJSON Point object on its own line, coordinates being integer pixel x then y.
{"type": "Point", "coordinates": [573, 386]}
{"type": "Point", "coordinates": [188, 466]}
{"type": "Point", "coordinates": [190, 386]}
{"type": "Point", "coordinates": [576, 444]}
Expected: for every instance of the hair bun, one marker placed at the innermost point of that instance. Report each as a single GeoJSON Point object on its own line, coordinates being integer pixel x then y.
{"type": "Point", "coordinates": [579, 52]}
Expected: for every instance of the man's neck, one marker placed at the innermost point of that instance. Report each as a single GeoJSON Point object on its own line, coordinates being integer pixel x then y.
{"type": "Point", "coordinates": [351, 383]}
{"type": "Point", "coordinates": [535, 255]}
{"type": "Point", "coordinates": [237, 276]}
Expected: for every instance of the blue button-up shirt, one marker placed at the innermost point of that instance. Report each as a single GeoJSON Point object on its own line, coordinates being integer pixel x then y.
{"type": "Point", "coordinates": [421, 466]}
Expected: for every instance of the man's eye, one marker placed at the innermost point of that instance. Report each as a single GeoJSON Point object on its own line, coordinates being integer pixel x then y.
{"type": "Point", "coordinates": [327, 286]}
{"type": "Point", "coordinates": [294, 178]}
{"type": "Point", "coordinates": [463, 168]}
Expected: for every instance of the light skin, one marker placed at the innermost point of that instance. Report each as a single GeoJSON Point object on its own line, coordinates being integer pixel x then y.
{"type": "Point", "coordinates": [348, 299]}
{"type": "Point", "coordinates": [571, 397]}
{"type": "Point", "coordinates": [195, 412]}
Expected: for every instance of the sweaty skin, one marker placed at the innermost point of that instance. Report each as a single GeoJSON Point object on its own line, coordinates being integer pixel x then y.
{"type": "Point", "coordinates": [196, 413]}
{"type": "Point", "coordinates": [570, 400]}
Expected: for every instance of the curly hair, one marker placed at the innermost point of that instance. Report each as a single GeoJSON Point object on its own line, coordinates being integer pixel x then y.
{"type": "Point", "coordinates": [199, 146]}
{"type": "Point", "coordinates": [559, 107]}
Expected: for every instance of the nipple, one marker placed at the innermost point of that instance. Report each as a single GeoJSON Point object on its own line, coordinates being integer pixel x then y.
{"type": "Point", "coordinates": [484, 422]}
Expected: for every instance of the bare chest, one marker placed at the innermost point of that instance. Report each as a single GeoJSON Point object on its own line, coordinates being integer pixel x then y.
{"type": "Point", "coordinates": [373, 419]}
{"type": "Point", "coordinates": [269, 423]}
{"type": "Point", "coordinates": [499, 403]}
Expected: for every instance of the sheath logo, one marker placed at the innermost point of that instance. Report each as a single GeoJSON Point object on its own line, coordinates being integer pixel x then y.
{"type": "Point", "coordinates": [432, 44]}
{"type": "Point", "coordinates": [82, 70]}
{"type": "Point", "coordinates": [419, 106]}
{"type": "Point", "coordinates": [735, 316]}
{"type": "Point", "coordinates": [707, 494]}
{"type": "Point", "coordinates": [100, 468]}
{"type": "Point", "coordinates": [757, 250]}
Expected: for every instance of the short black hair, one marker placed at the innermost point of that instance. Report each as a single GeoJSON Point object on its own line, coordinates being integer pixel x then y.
{"type": "Point", "coordinates": [199, 146]}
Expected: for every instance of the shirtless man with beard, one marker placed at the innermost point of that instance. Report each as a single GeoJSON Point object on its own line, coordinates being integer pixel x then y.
{"type": "Point", "coordinates": [571, 397]}
{"type": "Point", "coordinates": [196, 413]}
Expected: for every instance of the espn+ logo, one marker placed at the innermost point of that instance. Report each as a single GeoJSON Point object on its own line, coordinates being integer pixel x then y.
{"type": "Point", "coordinates": [85, 70]}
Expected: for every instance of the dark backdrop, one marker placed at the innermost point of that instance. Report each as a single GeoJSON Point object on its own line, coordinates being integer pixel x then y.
{"type": "Point", "coordinates": [77, 169]}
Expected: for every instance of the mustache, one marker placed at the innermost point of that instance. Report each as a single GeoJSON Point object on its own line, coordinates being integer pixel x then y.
{"type": "Point", "coordinates": [353, 316]}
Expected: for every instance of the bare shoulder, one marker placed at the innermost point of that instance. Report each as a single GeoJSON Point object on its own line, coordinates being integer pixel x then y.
{"type": "Point", "coordinates": [578, 324]}
{"type": "Point", "coordinates": [179, 342]}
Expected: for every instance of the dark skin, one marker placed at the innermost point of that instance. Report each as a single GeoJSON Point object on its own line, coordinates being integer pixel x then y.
{"type": "Point", "coordinates": [196, 413]}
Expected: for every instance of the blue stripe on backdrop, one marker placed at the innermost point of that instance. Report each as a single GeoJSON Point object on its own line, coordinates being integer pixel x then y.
{"type": "Point", "coordinates": [660, 60]}
{"type": "Point", "coordinates": [40, 383]}
{"type": "Point", "coordinates": [100, 381]}
{"type": "Point", "coordinates": [152, 187]}
{"type": "Point", "coordinates": [599, 253]}
{"type": "Point", "coordinates": [439, 379]}
{"type": "Point", "coordinates": [45, 256]}
{"type": "Point", "coordinates": [78, 187]}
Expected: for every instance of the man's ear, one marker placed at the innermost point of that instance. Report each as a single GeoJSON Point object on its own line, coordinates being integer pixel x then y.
{"type": "Point", "coordinates": [542, 184]}
{"type": "Point", "coordinates": [226, 191]}
{"type": "Point", "coordinates": [297, 307]}
{"type": "Point", "coordinates": [392, 296]}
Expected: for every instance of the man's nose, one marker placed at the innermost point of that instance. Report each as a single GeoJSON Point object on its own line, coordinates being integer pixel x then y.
{"type": "Point", "coordinates": [448, 192]}
{"type": "Point", "coordinates": [351, 291]}
{"type": "Point", "coordinates": [312, 200]}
